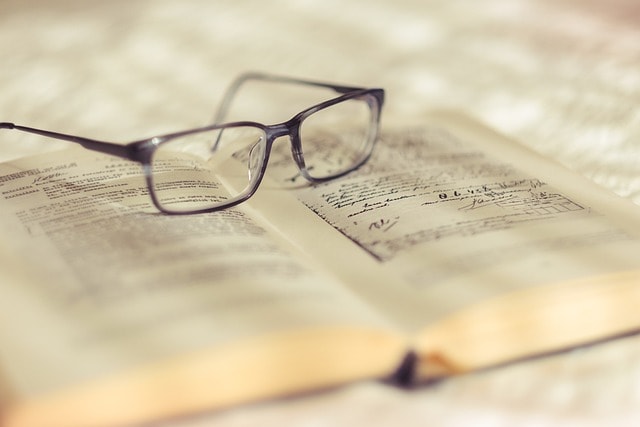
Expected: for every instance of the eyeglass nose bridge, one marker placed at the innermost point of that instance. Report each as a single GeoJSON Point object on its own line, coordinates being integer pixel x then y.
{"type": "Point", "coordinates": [292, 130]}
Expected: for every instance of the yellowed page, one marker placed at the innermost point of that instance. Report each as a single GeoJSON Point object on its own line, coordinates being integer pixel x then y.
{"type": "Point", "coordinates": [259, 367]}
{"type": "Point", "coordinates": [95, 283]}
{"type": "Point", "coordinates": [530, 323]}
{"type": "Point", "coordinates": [448, 213]}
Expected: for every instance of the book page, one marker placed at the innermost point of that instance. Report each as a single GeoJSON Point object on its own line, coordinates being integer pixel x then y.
{"type": "Point", "coordinates": [94, 280]}
{"type": "Point", "coordinates": [443, 220]}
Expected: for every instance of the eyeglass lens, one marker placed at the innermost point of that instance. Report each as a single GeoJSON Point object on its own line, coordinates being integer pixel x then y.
{"type": "Point", "coordinates": [336, 139]}
{"type": "Point", "coordinates": [215, 168]}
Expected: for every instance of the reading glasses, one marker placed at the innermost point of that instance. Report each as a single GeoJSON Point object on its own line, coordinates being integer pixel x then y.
{"type": "Point", "coordinates": [221, 165]}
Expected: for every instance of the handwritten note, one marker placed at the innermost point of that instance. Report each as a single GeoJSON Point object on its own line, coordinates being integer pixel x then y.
{"type": "Point", "coordinates": [421, 187]}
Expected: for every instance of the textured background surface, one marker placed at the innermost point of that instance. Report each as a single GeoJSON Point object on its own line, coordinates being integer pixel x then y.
{"type": "Point", "coordinates": [562, 77]}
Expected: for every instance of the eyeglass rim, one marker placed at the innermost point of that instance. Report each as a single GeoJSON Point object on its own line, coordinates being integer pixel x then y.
{"type": "Point", "coordinates": [141, 151]}
{"type": "Point", "coordinates": [289, 128]}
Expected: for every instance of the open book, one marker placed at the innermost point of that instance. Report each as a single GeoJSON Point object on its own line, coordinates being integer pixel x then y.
{"type": "Point", "coordinates": [452, 250]}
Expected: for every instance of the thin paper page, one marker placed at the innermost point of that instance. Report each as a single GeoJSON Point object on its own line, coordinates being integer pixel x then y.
{"type": "Point", "coordinates": [450, 224]}
{"type": "Point", "coordinates": [107, 283]}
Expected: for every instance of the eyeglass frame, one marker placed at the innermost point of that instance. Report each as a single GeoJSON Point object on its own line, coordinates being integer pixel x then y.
{"type": "Point", "coordinates": [142, 151]}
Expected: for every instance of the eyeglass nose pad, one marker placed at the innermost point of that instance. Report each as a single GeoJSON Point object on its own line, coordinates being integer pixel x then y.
{"type": "Point", "coordinates": [296, 150]}
{"type": "Point", "coordinates": [256, 158]}
{"type": "Point", "coordinates": [216, 143]}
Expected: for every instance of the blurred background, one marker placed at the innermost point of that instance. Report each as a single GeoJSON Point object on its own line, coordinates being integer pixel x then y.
{"type": "Point", "coordinates": [562, 77]}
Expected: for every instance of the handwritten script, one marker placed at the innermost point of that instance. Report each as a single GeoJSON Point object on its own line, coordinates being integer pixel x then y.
{"type": "Point", "coordinates": [425, 187]}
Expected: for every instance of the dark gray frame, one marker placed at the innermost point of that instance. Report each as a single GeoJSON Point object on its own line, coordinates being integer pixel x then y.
{"type": "Point", "coordinates": [141, 151]}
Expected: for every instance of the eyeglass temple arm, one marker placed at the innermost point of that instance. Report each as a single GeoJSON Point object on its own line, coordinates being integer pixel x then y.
{"type": "Point", "coordinates": [123, 151]}
{"type": "Point", "coordinates": [223, 109]}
